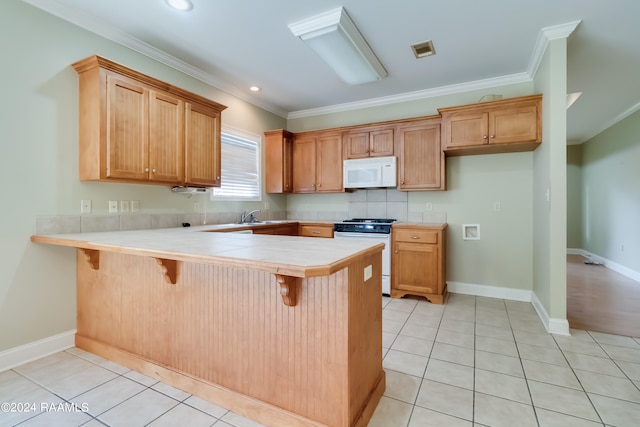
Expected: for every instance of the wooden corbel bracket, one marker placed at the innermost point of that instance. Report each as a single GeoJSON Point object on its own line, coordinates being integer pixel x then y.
{"type": "Point", "coordinates": [93, 257]}
{"type": "Point", "coordinates": [169, 269]}
{"type": "Point", "coordinates": [288, 289]}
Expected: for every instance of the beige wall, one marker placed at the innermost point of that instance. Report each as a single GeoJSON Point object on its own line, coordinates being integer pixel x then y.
{"type": "Point", "coordinates": [39, 165]}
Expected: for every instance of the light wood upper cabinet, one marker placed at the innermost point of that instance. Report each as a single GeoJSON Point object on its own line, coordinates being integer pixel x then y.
{"type": "Point", "coordinates": [418, 261]}
{"type": "Point", "coordinates": [369, 142]}
{"type": "Point", "coordinates": [317, 163]}
{"type": "Point", "coordinates": [421, 163]}
{"type": "Point", "coordinates": [202, 146]}
{"type": "Point", "coordinates": [279, 152]}
{"type": "Point", "coordinates": [134, 128]}
{"type": "Point", "coordinates": [503, 126]}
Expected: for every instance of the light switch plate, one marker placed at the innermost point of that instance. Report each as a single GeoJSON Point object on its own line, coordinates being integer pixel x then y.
{"type": "Point", "coordinates": [135, 206]}
{"type": "Point", "coordinates": [113, 206]}
{"type": "Point", "coordinates": [124, 206]}
{"type": "Point", "coordinates": [85, 206]}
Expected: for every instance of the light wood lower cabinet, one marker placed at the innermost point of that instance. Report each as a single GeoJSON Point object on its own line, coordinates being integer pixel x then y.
{"type": "Point", "coordinates": [315, 230]}
{"type": "Point", "coordinates": [418, 261]}
{"type": "Point", "coordinates": [134, 128]}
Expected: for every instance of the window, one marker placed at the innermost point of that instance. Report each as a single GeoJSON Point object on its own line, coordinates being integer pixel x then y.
{"type": "Point", "coordinates": [240, 159]}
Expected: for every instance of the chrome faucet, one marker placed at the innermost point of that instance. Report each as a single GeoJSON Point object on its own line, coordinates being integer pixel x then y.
{"type": "Point", "coordinates": [249, 216]}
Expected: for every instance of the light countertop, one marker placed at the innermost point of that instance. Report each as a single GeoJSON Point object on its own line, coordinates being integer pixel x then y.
{"type": "Point", "coordinates": [288, 255]}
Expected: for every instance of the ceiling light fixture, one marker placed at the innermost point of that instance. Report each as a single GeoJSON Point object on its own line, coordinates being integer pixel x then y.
{"type": "Point", "coordinates": [336, 39]}
{"type": "Point", "coordinates": [182, 5]}
{"type": "Point", "coordinates": [255, 88]}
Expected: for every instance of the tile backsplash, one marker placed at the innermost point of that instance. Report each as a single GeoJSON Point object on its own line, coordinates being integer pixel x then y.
{"type": "Point", "coordinates": [60, 224]}
{"type": "Point", "coordinates": [382, 203]}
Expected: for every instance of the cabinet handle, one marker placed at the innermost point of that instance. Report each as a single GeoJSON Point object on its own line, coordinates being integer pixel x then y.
{"type": "Point", "coordinates": [484, 136]}
{"type": "Point", "coordinates": [153, 170]}
{"type": "Point", "coordinates": [146, 169]}
{"type": "Point", "coordinates": [395, 252]}
{"type": "Point", "coordinates": [315, 232]}
{"type": "Point", "coordinates": [493, 136]}
{"type": "Point", "coordinates": [415, 237]}
{"type": "Point", "coordinates": [401, 182]}
{"type": "Point", "coordinates": [217, 177]}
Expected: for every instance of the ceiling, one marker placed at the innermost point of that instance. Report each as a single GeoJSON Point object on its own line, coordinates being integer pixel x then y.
{"type": "Point", "coordinates": [234, 44]}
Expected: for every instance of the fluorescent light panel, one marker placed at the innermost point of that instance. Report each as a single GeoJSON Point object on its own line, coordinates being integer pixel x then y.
{"type": "Point", "coordinates": [336, 39]}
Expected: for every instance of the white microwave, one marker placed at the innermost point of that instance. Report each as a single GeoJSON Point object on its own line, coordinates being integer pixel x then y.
{"type": "Point", "coordinates": [371, 172]}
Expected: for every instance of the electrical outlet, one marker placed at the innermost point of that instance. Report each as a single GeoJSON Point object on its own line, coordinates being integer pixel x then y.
{"type": "Point", "coordinates": [113, 206]}
{"type": "Point", "coordinates": [496, 206]}
{"type": "Point", "coordinates": [368, 272]}
{"type": "Point", "coordinates": [85, 206]}
{"type": "Point", "coordinates": [196, 206]}
{"type": "Point", "coordinates": [135, 206]}
{"type": "Point", "coordinates": [265, 206]}
{"type": "Point", "coordinates": [124, 206]}
{"type": "Point", "coordinates": [429, 206]}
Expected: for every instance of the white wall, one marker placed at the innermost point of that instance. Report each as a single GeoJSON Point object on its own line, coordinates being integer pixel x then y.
{"type": "Point", "coordinates": [39, 165]}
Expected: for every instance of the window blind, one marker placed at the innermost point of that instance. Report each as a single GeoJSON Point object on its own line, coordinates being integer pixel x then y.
{"type": "Point", "coordinates": [240, 169]}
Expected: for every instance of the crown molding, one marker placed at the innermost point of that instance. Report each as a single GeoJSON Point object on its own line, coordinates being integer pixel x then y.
{"type": "Point", "coordinates": [544, 37]}
{"type": "Point", "coordinates": [414, 96]}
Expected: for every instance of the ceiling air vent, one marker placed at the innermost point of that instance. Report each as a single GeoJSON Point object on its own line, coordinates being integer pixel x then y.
{"type": "Point", "coordinates": [420, 50]}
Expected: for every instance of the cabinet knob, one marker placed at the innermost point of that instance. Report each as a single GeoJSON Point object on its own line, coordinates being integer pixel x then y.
{"type": "Point", "coordinates": [395, 252]}
{"type": "Point", "coordinates": [315, 232]}
{"type": "Point", "coordinates": [493, 136]}
{"type": "Point", "coordinates": [217, 177]}
{"type": "Point", "coordinates": [401, 182]}
{"type": "Point", "coordinates": [153, 170]}
{"type": "Point", "coordinates": [415, 237]}
{"type": "Point", "coordinates": [146, 169]}
{"type": "Point", "coordinates": [484, 136]}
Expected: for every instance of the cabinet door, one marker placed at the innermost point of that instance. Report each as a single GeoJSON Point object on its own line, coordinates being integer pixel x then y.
{"type": "Point", "coordinates": [202, 146]}
{"type": "Point", "coordinates": [329, 163]}
{"type": "Point", "coordinates": [513, 125]}
{"type": "Point", "coordinates": [421, 161]}
{"type": "Point", "coordinates": [465, 129]}
{"type": "Point", "coordinates": [356, 145]}
{"type": "Point", "coordinates": [166, 138]}
{"type": "Point", "coordinates": [381, 143]}
{"type": "Point", "coordinates": [278, 158]}
{"type": "Point", "coordinates": [415, 268]}
{"type": "Point", "coordinates": [127, 130]}
{"type": "Point", "coordinates": [304, 165]}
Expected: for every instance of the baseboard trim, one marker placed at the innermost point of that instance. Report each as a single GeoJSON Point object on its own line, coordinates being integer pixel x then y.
{"type": "Point", "coordinates": [552, 325]}
{"type": "Point", "coordinates": [35, 350]}
{"type": "Point", "coordinates": [625, 271]}
{"type": "Point", "coordinates": [489, 291]}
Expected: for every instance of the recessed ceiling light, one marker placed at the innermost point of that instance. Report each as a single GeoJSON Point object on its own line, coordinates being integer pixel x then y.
{"type": "Point", "coordinates": [420, 50]}
{"type": "Point", "coordinates": [255, 88]}
{"type": "Point", "coordinates": [182, 5]}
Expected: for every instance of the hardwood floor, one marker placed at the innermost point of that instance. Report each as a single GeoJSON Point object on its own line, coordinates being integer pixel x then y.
{"type": "Point", "coordinates": [601, 300]}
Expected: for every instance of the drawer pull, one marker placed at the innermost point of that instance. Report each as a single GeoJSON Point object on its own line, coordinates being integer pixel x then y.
{"type": "Point", "coordinates": [315, 232]}
{"type": "Point", "coordinates": [415, 237]}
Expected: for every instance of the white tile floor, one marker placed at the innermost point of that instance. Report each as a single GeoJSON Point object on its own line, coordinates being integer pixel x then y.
{"type": "Point", "coordinates": [471, 362]}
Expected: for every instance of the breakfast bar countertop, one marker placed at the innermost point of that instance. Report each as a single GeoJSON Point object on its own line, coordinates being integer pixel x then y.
{"type": "Point", "coordinates": [289, 255]}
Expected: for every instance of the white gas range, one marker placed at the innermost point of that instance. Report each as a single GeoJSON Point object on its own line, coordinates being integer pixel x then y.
{"type": "Point", "coordinates": [371, 228]}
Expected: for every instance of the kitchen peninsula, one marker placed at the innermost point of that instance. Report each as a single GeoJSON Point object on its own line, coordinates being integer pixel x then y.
{"type": "Point", "coordinates": [284, 330]}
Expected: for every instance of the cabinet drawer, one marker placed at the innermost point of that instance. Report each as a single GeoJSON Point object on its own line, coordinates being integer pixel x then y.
{"type": "Point", "coordinates": [316, 231]}
{"type": "Point", "coordinates": [415, 236]}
